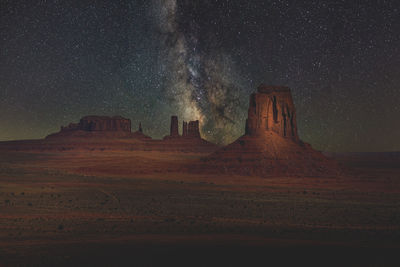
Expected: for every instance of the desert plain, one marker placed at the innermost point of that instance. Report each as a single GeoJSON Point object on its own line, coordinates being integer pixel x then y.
{"type": "Point", "coordinates": [113, 207]}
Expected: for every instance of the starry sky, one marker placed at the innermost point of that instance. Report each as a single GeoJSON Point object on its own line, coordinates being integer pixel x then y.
{"type": "Point", "coordinates": [148, 60]}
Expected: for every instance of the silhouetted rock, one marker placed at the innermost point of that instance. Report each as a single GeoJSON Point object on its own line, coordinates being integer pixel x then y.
{"type": "Point", "coordinates": [99, 123]}
{"type": "Point", "coordinates": [174, 132]}
{"type": "Point", "coordinates": [98, 127]}
{"type": "Point", "coordinates": [139, 133]}
{"type": "Point", "coordinates": [190, 130]}
{"type": "Point", "coordinates": [104, 123]}
{"type": "Point", "coordinates": [184, 129]}
{"type": "Point", "coordinates": [193, 129]}
{"type": "Point", "coordinates": [189, 141]}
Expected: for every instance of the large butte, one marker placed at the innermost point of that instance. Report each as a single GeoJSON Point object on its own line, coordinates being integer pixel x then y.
{"type": "Point", "coordinates": [270, 145]}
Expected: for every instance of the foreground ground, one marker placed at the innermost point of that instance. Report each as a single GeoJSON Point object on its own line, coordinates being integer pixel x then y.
{"type": "Point", "coordinates": [136, 208]}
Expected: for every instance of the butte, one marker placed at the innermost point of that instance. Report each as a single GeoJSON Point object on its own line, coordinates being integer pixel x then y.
{"type": "Point", "coordinates": [270, 145]}
{"type": "Point", "coordinates": [100, 127]}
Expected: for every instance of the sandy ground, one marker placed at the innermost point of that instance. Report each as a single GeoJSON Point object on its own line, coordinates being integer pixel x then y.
{"type": "Point", "coordinates": [138, 209]}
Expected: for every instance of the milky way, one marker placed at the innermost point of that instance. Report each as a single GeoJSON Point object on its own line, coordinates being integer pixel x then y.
{"type": "Point", "coordinates": [149, 59]}
{"type": "Point", "coordinates": [203, 85]}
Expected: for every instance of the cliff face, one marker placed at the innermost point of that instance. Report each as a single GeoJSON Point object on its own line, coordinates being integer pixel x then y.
{"type": "Point", "coordinates": [271, 109]}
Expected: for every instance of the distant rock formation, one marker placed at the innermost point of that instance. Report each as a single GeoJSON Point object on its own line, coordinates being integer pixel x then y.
{"type": "Point", "coordinates": [189, 141]}
{"type": "Point", "coordinates": [100, 126]}
{"type": "Point", "coordinates": [139, 133]}
{"type": "Point", "coordinates": [100, 123]}
{"type": "Point", "coordinates": [193, 129]}
{"type": "Point", "coordinates": [271, 145]}
{"type": "Point", "coordinates": [114, 133]}
{"type": "Point", "coordinates": [174, 132]}
{"type": "Point", "coordinates": [184, 129]}
{"type": "Point", "coordinates": [190, 129]}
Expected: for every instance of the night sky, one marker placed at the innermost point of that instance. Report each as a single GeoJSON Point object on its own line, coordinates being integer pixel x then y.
{"type": "Point", "coordinates": [148, 60]}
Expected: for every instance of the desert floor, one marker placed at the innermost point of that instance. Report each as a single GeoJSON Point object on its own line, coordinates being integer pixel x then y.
{"type": "Point", "coordinates": [136, 208]}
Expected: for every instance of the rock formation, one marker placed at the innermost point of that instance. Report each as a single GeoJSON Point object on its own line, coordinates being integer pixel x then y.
{"type": "Point", "coordinates": [193, 130]}
{"type": "Point", "coordinates": [174, 132]}
{"type": "Point", "coordinates": [189, 141]}
{"type": "Point", "coordinates": [184, 129]}
{"type": "Point", "coordinates": [272, 109]}
{"type": "Point", "coordinates": [139, 133]}
{"type": "Point", "coordinates": [271, 145]}
{"type": "Point", "coordinates": [114, 133]}
{"type": "Point", "coordinates": [100, 123]}
{"type": "Point", "coordinates": [190, 129]}
{"type": "Point", "coordinates": [100, 127]}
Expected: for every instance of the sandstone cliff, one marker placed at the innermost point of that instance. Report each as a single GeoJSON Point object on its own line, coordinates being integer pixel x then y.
{"type": "Point", "coordinates": [272, 109]}
{"type": "Point", "coordinates": [271, 145]}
